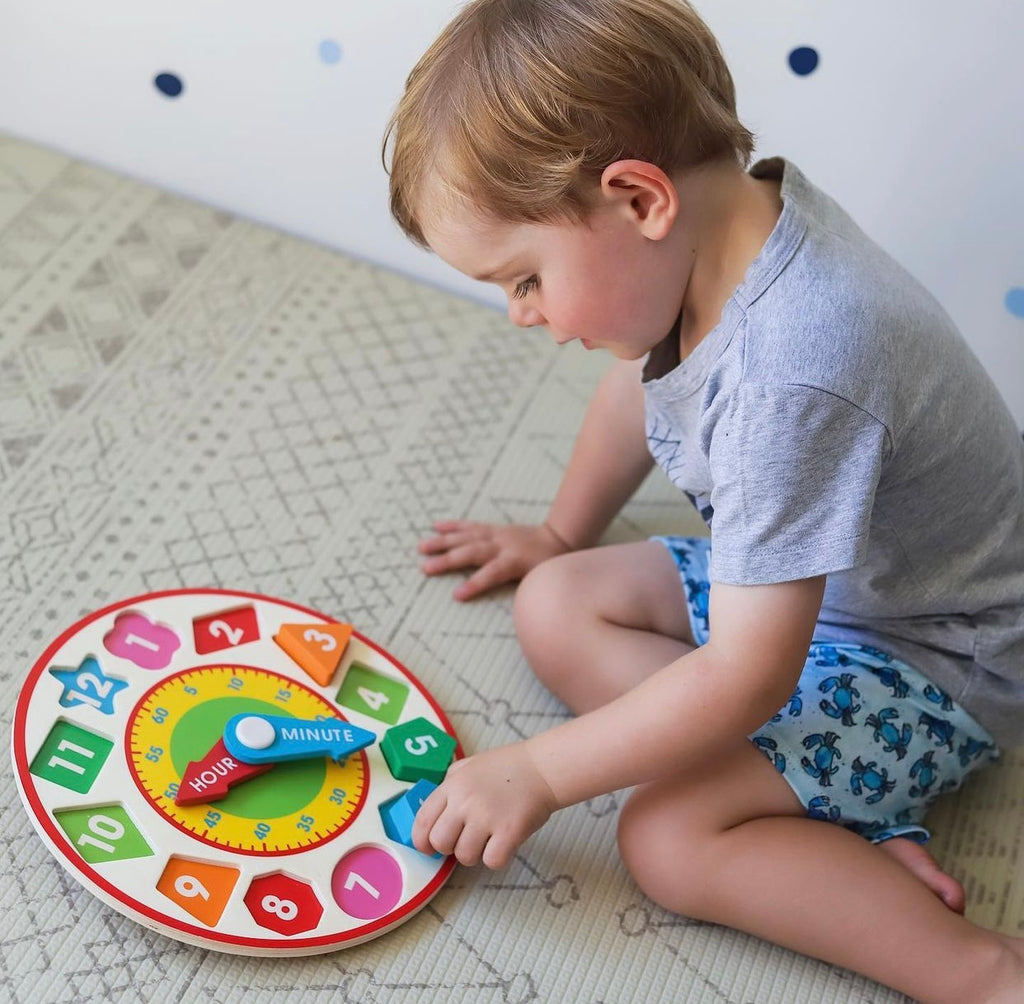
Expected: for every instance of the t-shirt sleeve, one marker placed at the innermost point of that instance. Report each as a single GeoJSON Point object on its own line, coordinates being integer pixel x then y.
{"type": "Point", "coordinates": [794, 470]}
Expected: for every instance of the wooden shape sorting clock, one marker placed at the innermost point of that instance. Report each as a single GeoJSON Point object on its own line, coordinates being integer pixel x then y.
{"type": "Point", "coordinates": [209, 763]}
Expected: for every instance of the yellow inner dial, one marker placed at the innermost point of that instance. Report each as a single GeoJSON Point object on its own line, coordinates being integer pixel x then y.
{"type": "Point", "coordinates": [292, 807]}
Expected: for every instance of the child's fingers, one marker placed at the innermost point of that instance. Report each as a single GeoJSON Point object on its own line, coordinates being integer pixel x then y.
{"type": "Point", "coordinates": [445, 541]}
{"type": "Point", "coordinates": [470, 527]}
{"type": "Point", "coordinates": [448, 525]}
{"type": "Point", "coordinates": [431, 545]}
{"type": "Point", "coordinates": [454, 537]}
{"type": "Point", "coordinates": [470, 847]}
{"type": "Point", "coordinates": [494, 573]}
{"type": "Point", "coordinates": [426, 816]}
{"type": "Point", "coordinates": [445, 833]}
{"type": "Point", "coordinates": [497, 853]}
{"type": "Point", "coordinates": [473, 555]}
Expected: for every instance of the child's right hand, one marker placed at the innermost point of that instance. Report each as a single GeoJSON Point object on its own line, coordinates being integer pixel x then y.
{"type": "Point", "coordinates": [499, 553]}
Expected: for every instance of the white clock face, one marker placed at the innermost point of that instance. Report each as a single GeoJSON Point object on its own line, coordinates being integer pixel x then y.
{"type": "Point", "coordinates": [119, 752]}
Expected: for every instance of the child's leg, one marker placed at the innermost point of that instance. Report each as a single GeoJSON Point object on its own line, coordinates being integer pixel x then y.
{"type": "Point", "coordinates": [733, 846]}
{"type": "Point", "coordinates": [595, 623]}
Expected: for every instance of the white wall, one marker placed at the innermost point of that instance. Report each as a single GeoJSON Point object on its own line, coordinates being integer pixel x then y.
{"type": "Point", "coordinates": [914, 120]}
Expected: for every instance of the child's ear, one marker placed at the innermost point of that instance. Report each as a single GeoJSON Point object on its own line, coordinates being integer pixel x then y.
{"type": "Point", "coordinates": [645, 192]}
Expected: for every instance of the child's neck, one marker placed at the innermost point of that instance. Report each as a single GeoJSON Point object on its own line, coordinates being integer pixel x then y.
{"type": "Point", "coordinates": [733, 214]}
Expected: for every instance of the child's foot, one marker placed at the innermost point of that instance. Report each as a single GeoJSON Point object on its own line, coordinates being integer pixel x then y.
{"type": "Point", "coordinates": [919, 862]}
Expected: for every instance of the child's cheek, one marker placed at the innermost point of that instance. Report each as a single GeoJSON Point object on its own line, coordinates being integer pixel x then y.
{"type": "Point", "coordinates": [583, 320]}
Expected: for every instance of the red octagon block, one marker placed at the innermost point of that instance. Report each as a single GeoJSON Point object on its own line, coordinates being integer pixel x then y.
{"type": "Point", "coordinates": [283, 904]}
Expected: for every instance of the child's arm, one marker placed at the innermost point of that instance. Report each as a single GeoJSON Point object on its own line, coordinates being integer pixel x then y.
{"type": "Point", "coordinates": [608, 463]}
{"type": "Point", "coordinates": [678, 718]}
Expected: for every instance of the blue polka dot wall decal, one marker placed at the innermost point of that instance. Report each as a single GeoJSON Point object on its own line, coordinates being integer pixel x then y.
{"type": "Point", "coordinates": [330, 51]}
{"type": "Point", "coordinates": [1015, 301]}
{"type": "Point", "coordinates": [803, 60]}
{"type": "Point", "coordinates": [169, 84]}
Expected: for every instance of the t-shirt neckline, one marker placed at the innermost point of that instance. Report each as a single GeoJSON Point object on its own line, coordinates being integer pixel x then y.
{"type": "Point", "coordinates": [663, 371]}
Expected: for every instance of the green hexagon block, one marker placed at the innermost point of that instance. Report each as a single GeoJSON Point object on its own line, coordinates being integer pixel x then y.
{"type": "Point", "coordinates": [418, 750]}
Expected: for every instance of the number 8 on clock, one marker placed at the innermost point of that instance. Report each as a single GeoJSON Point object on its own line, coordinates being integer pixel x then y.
{"type": "Point", "coordinates": [227, 768]}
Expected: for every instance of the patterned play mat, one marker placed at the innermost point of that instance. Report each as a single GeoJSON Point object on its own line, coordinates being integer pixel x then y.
{"type": "Point", "coordinates": [192, 401]}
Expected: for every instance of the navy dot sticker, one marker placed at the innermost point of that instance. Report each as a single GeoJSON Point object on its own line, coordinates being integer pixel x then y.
{"type": "Point", "coordinates": [803, 60]}
{"type": "Point", "coordinates": [169, 84]}
{"type": "Point", "coordinates": [1015, 301]}
{"type": "Point", "coordinates": [330, 52]}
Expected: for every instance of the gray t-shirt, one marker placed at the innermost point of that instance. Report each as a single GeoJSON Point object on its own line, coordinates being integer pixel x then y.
{"type": "Point", "coordinates": [835, 422]}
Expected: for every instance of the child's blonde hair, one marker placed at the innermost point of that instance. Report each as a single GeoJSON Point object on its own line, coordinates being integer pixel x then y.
{"type": "Point", "coordinates": [519, 105]}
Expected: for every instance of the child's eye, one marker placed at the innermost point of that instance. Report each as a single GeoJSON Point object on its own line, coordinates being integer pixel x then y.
{"type": "Point", "coordinates": [525, 286]}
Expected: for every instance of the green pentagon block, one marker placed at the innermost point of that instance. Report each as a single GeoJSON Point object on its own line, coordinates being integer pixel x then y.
{"type": "Point", "coordinates": [418, 750]}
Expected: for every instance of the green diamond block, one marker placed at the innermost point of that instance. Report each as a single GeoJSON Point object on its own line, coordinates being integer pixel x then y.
{"type": "Point", "coordinates": [418, 750]}
{"type": "Point", "coordinates": [103, 833]}
{"type": "Point", "coordinates": [71, 756]}
{"type": "Point", "coordinates": [372, 693]}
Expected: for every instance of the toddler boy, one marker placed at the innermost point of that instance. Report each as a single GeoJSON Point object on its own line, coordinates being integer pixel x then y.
{"type": "Point", "coordinates": [795, 690]}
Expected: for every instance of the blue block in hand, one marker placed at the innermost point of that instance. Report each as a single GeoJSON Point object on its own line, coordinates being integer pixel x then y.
{"type": "Point", "coordinates": [397, 814]}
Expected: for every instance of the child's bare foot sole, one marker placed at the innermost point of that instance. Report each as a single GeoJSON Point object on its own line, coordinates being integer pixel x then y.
{"type": "Point", "coordinates": [919, 862]}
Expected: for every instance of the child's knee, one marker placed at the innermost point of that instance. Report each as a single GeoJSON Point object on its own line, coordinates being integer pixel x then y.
{"type": "Point", "coordinates": [662, 856]}
{"type": "Point", "coordinates": [551, 621]}
{"type": "Point", "coordinates": [541, 606]}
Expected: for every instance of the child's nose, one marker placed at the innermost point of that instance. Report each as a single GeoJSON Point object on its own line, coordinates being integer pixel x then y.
{"type": "Point", "coordinates": [523, 316]}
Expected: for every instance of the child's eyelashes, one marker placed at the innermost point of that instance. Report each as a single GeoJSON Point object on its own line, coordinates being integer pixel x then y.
{"type": "Point", "coordinates": [525, 287]}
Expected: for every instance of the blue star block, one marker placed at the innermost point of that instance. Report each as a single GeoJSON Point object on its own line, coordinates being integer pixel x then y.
{"type": "Point", "coordinates": [89, 685]}
{"type": "Point", "coordinates": [397, 814]}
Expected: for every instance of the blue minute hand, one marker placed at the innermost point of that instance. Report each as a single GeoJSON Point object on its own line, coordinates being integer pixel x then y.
{"type": "Point", "coordinates": [257, 739]}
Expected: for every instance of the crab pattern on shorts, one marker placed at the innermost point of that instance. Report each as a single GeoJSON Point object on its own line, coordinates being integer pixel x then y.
{"type": "Point", "coordinates": [866, 740]}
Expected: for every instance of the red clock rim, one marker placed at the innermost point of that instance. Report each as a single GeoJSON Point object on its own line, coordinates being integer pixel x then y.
{"type": "Point", "coordinates": [134, 908]}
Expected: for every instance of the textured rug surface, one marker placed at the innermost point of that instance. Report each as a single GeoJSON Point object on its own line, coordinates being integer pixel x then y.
{"type": "Point", "coordinates": [191, 400]}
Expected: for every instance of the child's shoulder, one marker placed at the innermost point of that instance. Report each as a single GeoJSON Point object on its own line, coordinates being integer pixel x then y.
{"type": "Point", "coordinates": [825, 304]}
{"type": "Point", "coordinates": [828, 261]}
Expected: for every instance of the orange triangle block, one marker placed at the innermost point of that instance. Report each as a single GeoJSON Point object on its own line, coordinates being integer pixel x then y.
{"type": "Point", "coordinates": [316, 648]}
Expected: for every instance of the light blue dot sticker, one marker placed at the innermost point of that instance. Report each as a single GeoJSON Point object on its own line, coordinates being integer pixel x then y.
{"type": "Point", "coordinates": [1015, 301]}
{"type": "Point", "coordinates": [330, 52]}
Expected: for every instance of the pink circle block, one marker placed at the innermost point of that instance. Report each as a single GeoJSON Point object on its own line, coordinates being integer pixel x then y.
{"type": "Point", "coordinates": [367, 883]}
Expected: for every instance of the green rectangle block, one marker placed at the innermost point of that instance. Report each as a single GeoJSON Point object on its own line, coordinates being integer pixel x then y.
{"type": "Point", "coordinates": [103, 833]}
{"type": "Point", "coordinates": [71, 756]}
{"type": "Point", "coordinates": [372, 693]}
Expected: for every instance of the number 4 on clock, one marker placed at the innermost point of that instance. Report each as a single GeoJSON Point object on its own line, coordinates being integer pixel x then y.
{"type": "Point", "coordinates": [372, 693]}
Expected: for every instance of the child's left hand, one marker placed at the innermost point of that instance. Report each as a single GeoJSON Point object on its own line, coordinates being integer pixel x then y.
{"type": "Point", "coordinates": [485, 808]}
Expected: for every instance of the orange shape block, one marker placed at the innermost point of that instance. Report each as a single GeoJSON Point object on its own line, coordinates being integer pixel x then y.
{"type": "Point", "coordinates": [316, 648]}
{"type": "Point", "coordinates": [200, 889]}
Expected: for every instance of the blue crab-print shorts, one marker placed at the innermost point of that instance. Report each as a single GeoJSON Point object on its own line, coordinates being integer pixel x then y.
{"type": "Point", "coordinates": [866, 740]}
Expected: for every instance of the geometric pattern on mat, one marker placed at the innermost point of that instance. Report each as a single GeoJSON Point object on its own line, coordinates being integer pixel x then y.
{"type": "Point", "coordinates": [188, 399]}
